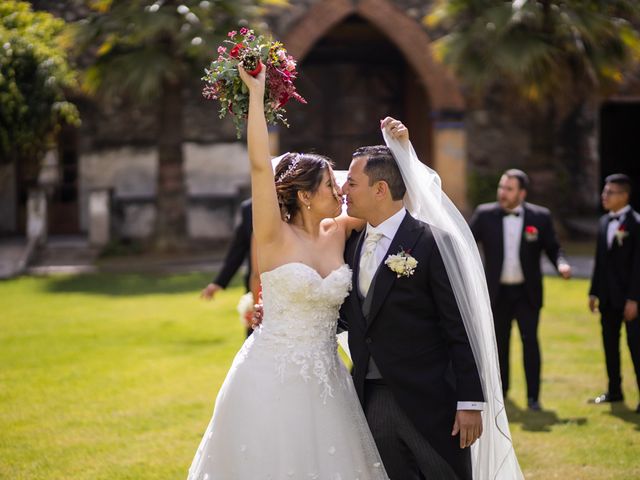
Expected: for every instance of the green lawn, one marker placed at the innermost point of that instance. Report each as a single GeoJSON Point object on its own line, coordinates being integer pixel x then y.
{"type": "Point", "coordinates": [114, 377]}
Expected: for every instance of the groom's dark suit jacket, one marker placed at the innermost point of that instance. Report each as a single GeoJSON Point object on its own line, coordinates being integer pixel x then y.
{"type": "Point", "coordinates": [616, 275]}
{"type": "Point", "coordinates": [486, 225]}
{"type": "Point", "coordinates": [416, 336]}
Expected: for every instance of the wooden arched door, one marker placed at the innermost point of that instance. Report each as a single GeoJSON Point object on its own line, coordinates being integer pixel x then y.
{"type": "Point", "coordinates": [352, 78]}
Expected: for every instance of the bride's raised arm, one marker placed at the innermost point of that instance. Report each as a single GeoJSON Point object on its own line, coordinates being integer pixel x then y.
{"type": "Point", "coordinates": [267, 223]}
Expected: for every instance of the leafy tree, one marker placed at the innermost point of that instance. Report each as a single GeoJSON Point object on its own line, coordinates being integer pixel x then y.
{"type": "Point", "coordinates": [150, 51]}
{"type": "Point", "coordinates": [34, 75]}
{"type": "Point", "coordinates": [549, 55]}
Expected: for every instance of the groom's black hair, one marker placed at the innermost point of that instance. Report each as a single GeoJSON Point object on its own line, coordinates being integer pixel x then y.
{"type": "Point", "coordinates": [381, 166]}
{"type": "Point", "coordinates": [620, 179]}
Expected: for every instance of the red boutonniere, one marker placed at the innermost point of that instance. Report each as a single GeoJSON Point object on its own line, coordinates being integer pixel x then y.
{"type": "Point", "coordinates": [621, 234]}
{"type": "Point", "coordinates": [530, 233]}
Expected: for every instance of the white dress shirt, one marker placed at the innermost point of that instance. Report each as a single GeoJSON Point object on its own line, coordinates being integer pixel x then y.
{"type": "Point", "coordinates": [388, 229]}
{"type": "Point", "coordinates": [614, 224]}
{"type": "Point", "coordinates": [512, 236]}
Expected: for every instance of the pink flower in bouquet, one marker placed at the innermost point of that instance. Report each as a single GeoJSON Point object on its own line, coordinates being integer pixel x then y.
{"type": "Point", "coordinates": [223, 82]}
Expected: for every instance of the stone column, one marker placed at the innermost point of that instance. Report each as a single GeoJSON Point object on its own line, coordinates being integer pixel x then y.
{"type": "Point", "coordinates": [99, 217]}
{"type": "Point", "coordinates": [37, 216]}
{"type": "Point", "coordinates": [450, 159]}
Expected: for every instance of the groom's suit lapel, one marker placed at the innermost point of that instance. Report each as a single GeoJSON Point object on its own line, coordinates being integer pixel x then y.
{"type": "Point", "coordinates": [405, 239]}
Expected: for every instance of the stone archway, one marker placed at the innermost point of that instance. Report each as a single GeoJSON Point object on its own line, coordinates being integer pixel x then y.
{"type": "Point", "coordinates": [447, 138]}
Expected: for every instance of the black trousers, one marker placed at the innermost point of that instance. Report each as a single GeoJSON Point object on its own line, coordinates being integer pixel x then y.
{"type": "Point", "coordinates": [405, 453]}
{"type": "Point", "coordinates": [612, 320]}
{"type": "Point", "coordinates": [513, 303]}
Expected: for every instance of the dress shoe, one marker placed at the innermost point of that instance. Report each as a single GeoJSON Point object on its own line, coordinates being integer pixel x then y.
{"type": "Point", "coordinates": [534, 405]}
{"type": "Point", "coordinates": [638, 408]}
{"type": "Point", "coordinates": [607, 398]}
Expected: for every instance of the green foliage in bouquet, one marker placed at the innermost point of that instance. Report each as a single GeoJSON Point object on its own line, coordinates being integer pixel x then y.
{"type": "Point", "coordinates": [223, 82]}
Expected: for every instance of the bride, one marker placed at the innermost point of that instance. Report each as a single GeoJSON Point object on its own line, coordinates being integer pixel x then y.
{"type": "Point", "coordinates": [288, 408]}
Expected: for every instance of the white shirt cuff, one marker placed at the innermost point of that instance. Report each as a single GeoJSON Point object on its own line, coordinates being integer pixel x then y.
{"type": "Point", "coordinates": [471, 406]}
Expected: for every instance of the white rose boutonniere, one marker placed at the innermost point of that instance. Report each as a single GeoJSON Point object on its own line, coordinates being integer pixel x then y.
{"type": "Point", "coordinates": [402, 263]}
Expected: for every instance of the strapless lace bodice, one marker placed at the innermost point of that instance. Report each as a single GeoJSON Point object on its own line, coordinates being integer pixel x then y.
{"type": "Point", "coordinates": [299, 323]}
{"type": "Point", "coordinates": [302, 305]}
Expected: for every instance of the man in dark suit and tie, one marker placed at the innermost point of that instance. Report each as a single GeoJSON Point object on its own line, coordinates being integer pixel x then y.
{"type": "Point", "coordinates": [239, 253]}
{"type": "Point", "coordinates": [615, 284]}
{"type": "Point", "coordinates": [413, 367]}
{"type": "Point", "coordinates": [513, 234]}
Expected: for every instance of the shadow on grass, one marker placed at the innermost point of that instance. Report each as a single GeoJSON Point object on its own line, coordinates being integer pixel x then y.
{"type": "Point", "coordinates": [623, 412]}
{"type": "Point", "coordinates": [128, 284]}
{"type": "Point", "coordinates": [538, 421]}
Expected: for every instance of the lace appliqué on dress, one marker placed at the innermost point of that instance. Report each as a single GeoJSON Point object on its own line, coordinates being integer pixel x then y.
{"type": "Point", "coordinates": [300, 319]}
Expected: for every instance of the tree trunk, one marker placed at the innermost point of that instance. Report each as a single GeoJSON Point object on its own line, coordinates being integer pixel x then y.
{"type": "Point", "coordinates": [171, 199]}
{"type": "Point", "coordinates": [548, 178]}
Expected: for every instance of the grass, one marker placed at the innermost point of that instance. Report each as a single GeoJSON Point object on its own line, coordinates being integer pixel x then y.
{"type": "Point", "coordinates": [114, 377]}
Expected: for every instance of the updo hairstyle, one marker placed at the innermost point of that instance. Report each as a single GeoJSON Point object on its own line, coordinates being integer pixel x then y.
{"type": "Point", "coordinates": [296, 172]}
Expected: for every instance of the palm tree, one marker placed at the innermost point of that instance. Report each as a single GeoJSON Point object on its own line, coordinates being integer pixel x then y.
{"type": "Point", "coordinates": [149, 51]}
{"type": "Point", "coordinates": [550, 55]}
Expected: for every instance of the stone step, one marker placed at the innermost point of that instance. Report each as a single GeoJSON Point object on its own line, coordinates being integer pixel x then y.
{"type": "Point", "coordinates": [65, 254]}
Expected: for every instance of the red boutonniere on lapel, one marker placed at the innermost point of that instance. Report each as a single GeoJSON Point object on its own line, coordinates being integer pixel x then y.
{"type": "Point", "coordinates": [530, 233]}
{"type": "Point", "coordinates": [621, 234]}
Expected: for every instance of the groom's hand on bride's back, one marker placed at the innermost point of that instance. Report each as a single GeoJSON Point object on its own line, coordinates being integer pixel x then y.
{"type": "Point", "coordinates": [256, 318]}
{"type": "Point", "coordinates": [395, 128]}
{"type": "Point", "coordinates": [468, 424]}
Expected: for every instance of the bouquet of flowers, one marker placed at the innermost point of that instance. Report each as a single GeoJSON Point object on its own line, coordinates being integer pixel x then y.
{"type": "Point", "coordinates": [223, 83]}
{"type": "Point", "coordinates": [245, 308]}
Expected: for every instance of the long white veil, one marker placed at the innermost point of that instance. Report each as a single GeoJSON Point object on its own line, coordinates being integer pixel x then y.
{"type": "Point", "coordinates": [493, 456]}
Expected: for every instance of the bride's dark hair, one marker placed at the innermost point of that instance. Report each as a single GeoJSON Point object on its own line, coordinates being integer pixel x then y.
{"type": "Point", "coordinates": [298, 172]}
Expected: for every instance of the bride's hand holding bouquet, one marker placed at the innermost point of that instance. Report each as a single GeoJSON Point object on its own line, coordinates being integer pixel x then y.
{"type": "Point", "coordinates": [255, 84]}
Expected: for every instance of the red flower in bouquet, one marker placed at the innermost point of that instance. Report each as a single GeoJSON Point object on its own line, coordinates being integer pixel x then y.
{"type": "Point", "coordinates": [235, 51]}
{"type": "Point", "coordinates": [223, 82]}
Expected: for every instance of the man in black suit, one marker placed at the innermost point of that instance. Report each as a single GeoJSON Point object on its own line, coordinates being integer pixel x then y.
{"type": "Point", "coordinates": [615, 284]}
{"type": "Point", "coordinates": [239, 253]}
{"type": "Point", "coordinates": [413, 367]}
{"type": "Point", "coordinates": [513, 235]}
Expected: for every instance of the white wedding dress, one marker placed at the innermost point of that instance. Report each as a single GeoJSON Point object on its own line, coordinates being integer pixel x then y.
{"type": "Point", "coordinates": [288, 408]}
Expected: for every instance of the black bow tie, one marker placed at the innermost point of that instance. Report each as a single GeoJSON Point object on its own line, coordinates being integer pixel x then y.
{"type": "Point", "coordinates": [615, 217]}
{"type": "Point", "coordinates": [509, 214]}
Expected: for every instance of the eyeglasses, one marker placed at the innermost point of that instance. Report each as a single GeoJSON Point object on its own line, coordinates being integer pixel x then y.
{"type": "Point", "coordinates": [608, 193]}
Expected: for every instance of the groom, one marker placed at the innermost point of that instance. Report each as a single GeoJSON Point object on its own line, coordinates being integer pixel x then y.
{"type": "Point", "coordinates": [414, 370]}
